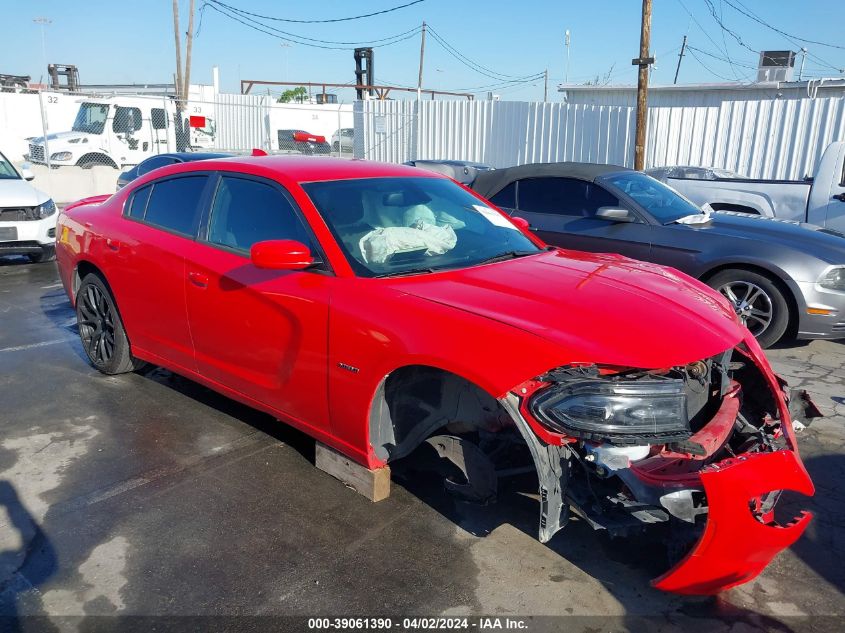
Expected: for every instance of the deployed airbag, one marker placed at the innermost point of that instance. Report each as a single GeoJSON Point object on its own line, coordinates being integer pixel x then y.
{"type": "Point", "coordinates": [380, 244]}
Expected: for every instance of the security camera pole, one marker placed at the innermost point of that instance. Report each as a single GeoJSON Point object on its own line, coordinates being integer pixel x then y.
{"type": "Point", "coordinates": [643, 61]}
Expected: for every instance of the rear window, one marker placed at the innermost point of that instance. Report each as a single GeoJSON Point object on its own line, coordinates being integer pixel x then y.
{"type": "Point", "coordinates": [138, 204]}
{"type": "Point", "coordinates": [175, 203]}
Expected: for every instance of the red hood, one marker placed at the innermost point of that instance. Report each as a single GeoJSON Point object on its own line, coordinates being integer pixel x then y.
{"type": "Point", "coordinates": [605, 309]}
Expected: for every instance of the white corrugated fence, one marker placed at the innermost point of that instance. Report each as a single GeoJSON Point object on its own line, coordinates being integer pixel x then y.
{"type": "Point", "coordinates": [778, 138]}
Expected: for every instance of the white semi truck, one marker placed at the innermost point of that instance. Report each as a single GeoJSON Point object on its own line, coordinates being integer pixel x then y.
{"type": "Point", "coordinates": [120, 131]}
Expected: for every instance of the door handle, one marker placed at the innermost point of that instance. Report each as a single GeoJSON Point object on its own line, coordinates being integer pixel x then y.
{"type": "Point", "coordinates": [198, 279]}
{"type": "Point", "coordinates": [840, 197]}
{"type": "Point", "coordinates": [113, 245]}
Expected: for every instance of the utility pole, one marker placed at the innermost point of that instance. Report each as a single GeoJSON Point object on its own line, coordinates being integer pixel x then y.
{"type": "Point", "coordinates": [189, 40]}
{"type": "Point", "coordinates": [546, 85]}
{"type": "Point", "coordinates": [680, 58]}
{"type": "Point", "coordinates": [643, 61]}
{"type": "Point", "coordinates": [178, 54]}
{"type": "Point", "coordinates": [422, 56]}
{"type": "Point", "coordinates": [803, 59]}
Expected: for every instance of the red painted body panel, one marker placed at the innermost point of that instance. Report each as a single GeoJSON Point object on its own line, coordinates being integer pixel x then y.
{"type": "Point", "coordinates": [261, 332]}
{"type": "Point", "coordinates": [312, 348]}
{"type": "Point", "coordinates": [735, 547]}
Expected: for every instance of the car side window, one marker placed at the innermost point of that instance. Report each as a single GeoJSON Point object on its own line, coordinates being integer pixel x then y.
{"type": "Point", "coordinates": [138, 204]}
{"type": "Point", "coordinates": [506, 198]}
{"type": "Point", "coordinates": [554, 196]}
{"type": "Point", "coordinates": [175, 204]}
{"type": "Point", "coordinates": [598, 197]}
{"type": "Point", "coordinates": [154, 163]}
{"type": "Point", "coordinates": [246, 211]}
{"type": "Point", "coordinates": [563, 196]}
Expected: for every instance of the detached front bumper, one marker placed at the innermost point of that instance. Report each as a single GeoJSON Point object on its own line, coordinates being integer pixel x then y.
{"type": "Point", "coordinates": [735, 546]}
{"type": "Point", "coordinates": [736, 487]}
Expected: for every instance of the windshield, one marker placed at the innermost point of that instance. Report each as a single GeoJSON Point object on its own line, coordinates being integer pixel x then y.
{"type": "Point", "coordinates": [393, 226]}
{"type": "Point", "coordinates": [664, 203]}
{"type": "Point", "coordinates": [7, 171]}
{"type": "Point", "coordinates": [91, 118]}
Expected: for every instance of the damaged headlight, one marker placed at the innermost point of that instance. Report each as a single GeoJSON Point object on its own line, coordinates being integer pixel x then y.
{"type": "Point", "coordinates": [643, 410]}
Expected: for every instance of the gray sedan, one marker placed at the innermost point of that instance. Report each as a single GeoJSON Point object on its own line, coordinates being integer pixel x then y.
{"type": "Point", "coordinates": [783, 278]}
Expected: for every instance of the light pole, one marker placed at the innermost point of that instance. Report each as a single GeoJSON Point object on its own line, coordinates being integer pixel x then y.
{"type": "Point", "coordinates": [42, 21]}
{"type": "Point", "coordinates": [567, 40]}
{"type": "Point", "coordinates": [286, 46]}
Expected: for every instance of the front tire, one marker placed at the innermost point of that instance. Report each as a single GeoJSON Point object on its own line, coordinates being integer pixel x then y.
{"type": "Point", "coordinates": [758, 301]}
{"type": "Point", "coordinates": [101, 329]}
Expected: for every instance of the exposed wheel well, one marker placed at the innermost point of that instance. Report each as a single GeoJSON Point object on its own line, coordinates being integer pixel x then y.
{"type": "Point", "coordinates": [775, 279]}
{"type": "Point", "coordinates": [83, 269]}
{"type": "Point", "coordinates": [94, 158]}
{"type": "Point", "coordinates": [414, 401]}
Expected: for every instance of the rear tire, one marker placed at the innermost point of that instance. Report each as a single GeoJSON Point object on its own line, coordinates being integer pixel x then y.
{"type": "Point", "coordinates": [101, 329]}
{"type": "Point", "coordinates": [758, 301]}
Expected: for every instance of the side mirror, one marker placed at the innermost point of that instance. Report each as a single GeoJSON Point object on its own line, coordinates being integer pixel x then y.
{"type": "Point", "coordinates": [615, 214]}
{"type": "Point", "coordinates": [27, 174]}
{"type": "Point", "coordinates": [281, 255]}
{"type": "Point", "coordinates": [521, 223]}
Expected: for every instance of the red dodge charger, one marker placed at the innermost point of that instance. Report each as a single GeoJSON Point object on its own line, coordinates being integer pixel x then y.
{"type": "Point", "coordinates": [379, 307]}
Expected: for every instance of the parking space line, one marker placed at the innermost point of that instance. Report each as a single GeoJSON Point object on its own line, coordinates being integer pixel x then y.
{"type": "Point", "coordinates": [20, 348]}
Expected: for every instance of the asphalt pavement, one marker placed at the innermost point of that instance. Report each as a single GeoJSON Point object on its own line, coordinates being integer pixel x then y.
{"type": "Point", "coordinates": [149, 495]}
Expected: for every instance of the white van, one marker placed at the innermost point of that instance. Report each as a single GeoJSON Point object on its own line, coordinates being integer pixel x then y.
{"type": "Point", "coordinates": [121, 131]}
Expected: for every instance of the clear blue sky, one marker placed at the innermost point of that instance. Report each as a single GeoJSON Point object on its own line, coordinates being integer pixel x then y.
{"type": "Point", "coordinates": [114, 42]}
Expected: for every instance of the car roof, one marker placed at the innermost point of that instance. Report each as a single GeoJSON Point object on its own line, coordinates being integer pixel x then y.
{"type": "Point", "coordinates": [316, 168]}
{"type": "Point", "coordinates": [189, 156]}
{"type": "Point", "coordinates": [490, 182]}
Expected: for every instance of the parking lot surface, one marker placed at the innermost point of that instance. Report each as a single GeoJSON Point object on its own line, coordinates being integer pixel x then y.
{"type": "Point", "coordinates": [147, 494]}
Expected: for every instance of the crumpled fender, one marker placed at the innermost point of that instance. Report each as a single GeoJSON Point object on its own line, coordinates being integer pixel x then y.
{"type": "Point", "coordinates": [735, 547]}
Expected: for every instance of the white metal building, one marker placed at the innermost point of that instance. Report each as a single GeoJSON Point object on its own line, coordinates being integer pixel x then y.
{"type": "Point", "coordinates": [686, 95]}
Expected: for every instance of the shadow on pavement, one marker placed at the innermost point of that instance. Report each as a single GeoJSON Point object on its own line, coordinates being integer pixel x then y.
{"type": "Point", "coordinates": [822, 547]}
{"type": "Point", "coordinates": [28, 563]}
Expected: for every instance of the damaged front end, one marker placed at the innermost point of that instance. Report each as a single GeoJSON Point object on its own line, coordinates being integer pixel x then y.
{"type": "Point", "coordinates": [702, 450]}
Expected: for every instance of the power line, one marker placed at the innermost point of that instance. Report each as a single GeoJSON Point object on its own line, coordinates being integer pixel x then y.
{"type": "Point", "coordinates": [700, 27]}
{"type": "Point", "coordinates": [725, 43]}
{"type": "Point", "coordinates": [469, 63]}
{"type": "Point", "coordinates": [722, 59]}
{"type": "Point", "coordinates": [354, 17]}
{"type": "Point", "coordinates": [706, 67]}
{"type": "Point", "coordinates": [740, 41]}
{"type": "Point", "coordinates": [496, 86]}
{"type": "Point", "coordinates": [747, 13]}
{"type": "Point", "coordinates": [309, 41]}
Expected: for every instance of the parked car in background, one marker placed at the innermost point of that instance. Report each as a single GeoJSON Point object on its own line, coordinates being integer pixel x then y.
{"type": "Point", "coordinates": [820, 200]}
{"type": "Point", "coordinates": [693, 173]}
{"type": "Point", "coordinates": [781, 277]}
{"type": "Point", "coordinates": [27, 215]}
{"type": "Point", "coordinates": [343, 140]}
{"type": "Point", "coordinates": [380, 308]}
{"type": "Point", "coordinates": [162, 160]}
{"type": "Point", "coordinates": [461, 170]}
{"type": "Point", "coordinates": [302, 142]}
